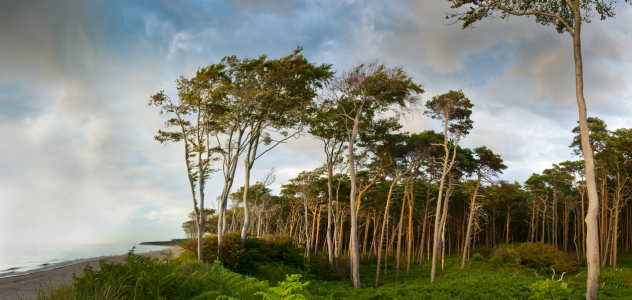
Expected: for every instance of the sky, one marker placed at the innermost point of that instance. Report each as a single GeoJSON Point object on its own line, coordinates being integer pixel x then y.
{"type": "Point", "coordinates": [78, 162]}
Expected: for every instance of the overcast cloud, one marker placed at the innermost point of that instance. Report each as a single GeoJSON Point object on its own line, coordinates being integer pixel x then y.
{"type": "Point", "coordinates": [78, 162]}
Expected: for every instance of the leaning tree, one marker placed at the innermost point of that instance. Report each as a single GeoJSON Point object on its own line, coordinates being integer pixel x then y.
{"type": "Point", "coordinates": [197, 100]}
{"type": "Point", "coordinates": [454, 110]}
{"type": "Point", "coordinates": [364, 93]}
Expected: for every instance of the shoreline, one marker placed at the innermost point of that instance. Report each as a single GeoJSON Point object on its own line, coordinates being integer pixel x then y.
{"type": "Point", "coordinates": [25, 284]}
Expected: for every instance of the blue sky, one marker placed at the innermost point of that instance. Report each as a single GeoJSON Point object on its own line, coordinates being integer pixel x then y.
{"type": "Point", "coordinates": [78, 163]}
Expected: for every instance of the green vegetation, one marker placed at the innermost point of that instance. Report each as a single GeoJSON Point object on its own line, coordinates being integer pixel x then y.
{"type": "Point", "coordinates": [279, 271]}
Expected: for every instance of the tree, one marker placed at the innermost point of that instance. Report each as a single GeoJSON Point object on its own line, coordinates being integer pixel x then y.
{"type": "Point", "coordinates": [362, 93]}
{"type": "Point", "coordinates": [265, 96]}
{"type": "Point", "coordinates": [190, 227]}
{"type": "Point", "coordinates": [488, 165]}
{"type": "Point", "coordinates": [454, 110]}
{"type": "Point", "coordinates": [276, 93]}
{"type": "Point", "coordinates": [197, 98]}
{"type": "Point", "coordinates": [566, 16]}
{"type": "Point", "coordinates": [326, 127]}
{"type": "Point", "coordinates": [618, 154]}
{"type": "Point", "coordinates": [304, 186]}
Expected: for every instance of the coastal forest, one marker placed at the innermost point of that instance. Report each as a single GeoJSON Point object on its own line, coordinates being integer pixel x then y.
{"type": "Point", "coordinates": [389, 214]}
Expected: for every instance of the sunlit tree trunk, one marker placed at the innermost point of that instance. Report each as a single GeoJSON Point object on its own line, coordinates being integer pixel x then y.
{"type": "Point", "coordinates": [592, 244]}
{"type": "Point", "coordinates": [399, 237]}
{"type": "Point", "coordinates": [466, 245]}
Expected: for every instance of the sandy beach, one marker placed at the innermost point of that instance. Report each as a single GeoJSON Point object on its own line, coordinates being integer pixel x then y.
{"type": "Point", "coordinates": [25, 286]}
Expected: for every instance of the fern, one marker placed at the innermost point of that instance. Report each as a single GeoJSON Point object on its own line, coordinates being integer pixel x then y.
{"type": "Point", "coordinates": [290, 289]}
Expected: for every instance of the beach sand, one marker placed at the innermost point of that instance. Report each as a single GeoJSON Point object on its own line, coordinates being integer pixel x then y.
{"type": "Point", "coordinates": [25, 286]}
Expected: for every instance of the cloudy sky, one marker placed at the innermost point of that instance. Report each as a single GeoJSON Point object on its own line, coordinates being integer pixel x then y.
{"type": "Point", "coordinates": [78, 163]}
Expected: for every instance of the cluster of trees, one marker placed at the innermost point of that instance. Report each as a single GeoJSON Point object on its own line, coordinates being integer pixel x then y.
{"type": "Point", "coordinates": [245, 104]}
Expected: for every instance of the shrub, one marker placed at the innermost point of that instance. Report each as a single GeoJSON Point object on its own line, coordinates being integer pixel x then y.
{"type": "Point", "coordinates": [483, 250]}
{"type": "Point", "coordinates": [257, 252]}
{"type": "Point", "coordinates": [496, 261]}
{"type": "Point", "coordinates": [543, 257]}
{"type": "Point", "coordinates": [548, 289]}
{"type": "Point", "coordinates": [609, 278]}
{"type": "Point", "coordinates": [320, 268]}
{"type": "Point", "coordinates": [149, 278]}
{"type": "Point", "coordinates": [507, 252]}
{"type": "Point", "coordinates": [477, 257]}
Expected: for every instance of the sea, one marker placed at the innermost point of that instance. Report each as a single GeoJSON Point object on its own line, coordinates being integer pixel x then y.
{"type": "Point", "coordinates": [19, 259]}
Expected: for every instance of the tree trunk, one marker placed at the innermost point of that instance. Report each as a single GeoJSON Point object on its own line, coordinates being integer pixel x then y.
{"type": "Point", "coordinates": [466, 245]}
{"type": "Point", "coordinates": [508, 222]}
{"type": "Point", "coordinates": [308, 239]}
{"type": "Point", "coordinates": [384, 229]}
{"type": "Point", "coordinates": [330, 247]}
{"type": "Point", "coordinates": [320, 210]}
{"type": "Point", "coordinates": [244, 230]}
{"type": "Point", "coordinates": [423, 234]}
{"type": "Point", "coordinates": [592, 244]}
{"type": "Point", "coordinates": [435, 247]}
{"type": "Point", "coordinates": [399, 237]}
{"type": "Point", "coordinates": [353, 238]}
{"type": "Point", "coordinates": [411, 203]}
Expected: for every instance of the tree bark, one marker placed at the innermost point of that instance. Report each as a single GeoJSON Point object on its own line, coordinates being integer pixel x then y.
{"type": "Point", "coordinates": [353, 242]}
{"type": "Point", "coordinates": [399, 237]}
{"type": "Point", "coordinates": [466, 245]}
{"type": "Point", "coordinates": [592, 244]}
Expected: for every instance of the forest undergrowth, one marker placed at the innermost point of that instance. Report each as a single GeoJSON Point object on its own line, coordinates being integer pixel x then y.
{"type": "Point", "coordinates": [274, 269]}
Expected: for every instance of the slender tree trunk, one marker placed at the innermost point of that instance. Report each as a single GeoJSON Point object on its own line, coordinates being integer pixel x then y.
{"type": "Point", "coordinates": [592, 244]}
{"type": "Point", "coordinates": [384, 229]}
{"type": "Point", "coordinates": [508, 221]}
{"type": "Point", "coordinates": [244, 231]}
{"type": "Point", "coordinates": [466, 245]}
{"type": "Point", "coordinates": [308, 239]}
{"type": "Point", "coordinates": [435, 248]}
{"type": "Point", "coordinates": [330, 247]}
{"type": "Point", "coordinates": [411, 203]}
{"type": "Point", "coordinates": [423, 234]}
{"type": "Point", "coordinates": [318, 229]}
{"type": "Point", "coordinates": [399, 237]}
{"type": "Point", "coordinates": [353, 250]}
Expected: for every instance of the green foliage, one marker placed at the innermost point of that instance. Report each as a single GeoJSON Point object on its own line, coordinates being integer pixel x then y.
{"type": "Point", "coordinates": [542, 257]}
{"type": "Point", "coordinates": [609, 278]}
{"type": "Point", "coordinates": [257, 252]}
{"type": "Point", "coordinates": [477, 257]}
{"type": "Point", "coordinates": [183, 278]}
{"type": "Point", "coordinates": [149, 278]}
{"type": "Point", "coordinates": [319, 268]}
{"type": "Point", "coordinates": [508, 253]}
{"type": "Point", "coordinates": [496, 261]}
{"type": "Point", "coordinates": [548, 289]}
{"type": "Point", "coordinates": [290, 289]}
{"type": "Point", "coordinates": [483, 250]}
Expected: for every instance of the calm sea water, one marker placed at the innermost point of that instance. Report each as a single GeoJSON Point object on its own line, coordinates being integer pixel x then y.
{"type": "Point", "coordinates": [16, 259]}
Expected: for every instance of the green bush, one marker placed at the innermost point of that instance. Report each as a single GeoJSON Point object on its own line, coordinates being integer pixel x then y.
{"type": "Point", "coordinates": [257, 252]}
{"type": "Point", "coordinates": [477, 257]}
{"type": "Point", "coordinates": [548, 289]}
{"type": "Point", "coordinates": [609, 278]}
{"type": "Point", "coordinates": [508, 253]}
{"type": "Point", "coordinates": [483, 250]}
{"type": "Point", "coordinates": [543, 257]}
{"type": "Point", "coordinates": [319, 268]}
{"type": "Point", "coordinates": [496, 261]}
{"type": "Point", "coordinates": [183, 278]}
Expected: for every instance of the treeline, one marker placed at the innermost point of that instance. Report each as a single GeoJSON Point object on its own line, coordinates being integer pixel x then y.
{"type": "Point", "coordinates": [401, 201]}
{"type": "Point", "coordinates": [380, 191]}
